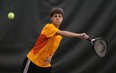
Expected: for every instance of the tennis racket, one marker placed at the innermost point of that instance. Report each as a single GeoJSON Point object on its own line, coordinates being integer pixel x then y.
{"type": "Point", "coordinates": [99, 45]}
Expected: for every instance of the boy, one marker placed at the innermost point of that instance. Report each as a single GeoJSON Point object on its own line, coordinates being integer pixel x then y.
{"type": "Point", "coordinates": [39, 58]}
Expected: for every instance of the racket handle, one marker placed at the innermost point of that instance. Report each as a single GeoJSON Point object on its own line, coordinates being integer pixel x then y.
{"type": "Point", "coordinates": [89, 39]}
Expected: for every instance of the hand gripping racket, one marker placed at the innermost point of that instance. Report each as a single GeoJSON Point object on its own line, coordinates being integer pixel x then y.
{"type": "Point", "coordinates": [99, 45]}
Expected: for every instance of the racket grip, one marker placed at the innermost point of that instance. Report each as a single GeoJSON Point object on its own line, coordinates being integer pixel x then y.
{"type": "Point", "coordinates": [89, 39]}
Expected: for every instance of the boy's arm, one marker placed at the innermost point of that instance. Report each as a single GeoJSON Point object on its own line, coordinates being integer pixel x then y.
{"type": "Point", "coordinates": [71, 34]}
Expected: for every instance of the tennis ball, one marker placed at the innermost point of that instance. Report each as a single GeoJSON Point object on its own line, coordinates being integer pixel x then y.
{"type": "Point", "coordinates": [11, 15]}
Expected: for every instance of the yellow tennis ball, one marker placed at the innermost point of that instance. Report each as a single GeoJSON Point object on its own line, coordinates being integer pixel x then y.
{"type": "Point", "coordinates": [11, 15]}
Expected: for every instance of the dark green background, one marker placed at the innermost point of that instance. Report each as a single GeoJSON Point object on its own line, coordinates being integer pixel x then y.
{"type": "Point", "coordinates": [97, 18]}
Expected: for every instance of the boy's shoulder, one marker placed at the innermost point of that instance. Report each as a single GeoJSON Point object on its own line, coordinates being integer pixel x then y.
{"type": "Point", "coordinates": [49, 25]}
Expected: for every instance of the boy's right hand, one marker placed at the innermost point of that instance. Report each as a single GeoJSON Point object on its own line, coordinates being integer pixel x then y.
{"type": "Point", "coordinates": [84, 36]}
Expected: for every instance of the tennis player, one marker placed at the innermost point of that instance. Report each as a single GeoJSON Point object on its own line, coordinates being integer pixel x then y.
{"type": "Point", "coordinates": [39, 57]}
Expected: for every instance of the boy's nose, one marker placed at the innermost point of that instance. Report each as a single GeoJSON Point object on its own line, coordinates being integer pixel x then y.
{"type": "Point", "coordinates": [57, 18]}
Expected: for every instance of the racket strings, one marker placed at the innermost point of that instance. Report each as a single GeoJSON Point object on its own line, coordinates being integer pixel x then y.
{"type": "Point", "coordinates": [100, 46]}
{"type": "Point", "coordinates": [103, 48]}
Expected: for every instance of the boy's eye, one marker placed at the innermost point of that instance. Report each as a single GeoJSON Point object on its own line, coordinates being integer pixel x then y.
{"type": "Point", "coordinates": [58, 16]}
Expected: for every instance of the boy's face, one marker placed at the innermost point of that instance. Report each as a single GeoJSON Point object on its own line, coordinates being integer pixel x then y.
{"type": "Point", "coordinates": [57, 19]}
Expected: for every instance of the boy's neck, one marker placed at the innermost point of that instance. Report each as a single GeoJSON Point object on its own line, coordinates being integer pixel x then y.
{"type": "Point", "coordinates": [57, 26]}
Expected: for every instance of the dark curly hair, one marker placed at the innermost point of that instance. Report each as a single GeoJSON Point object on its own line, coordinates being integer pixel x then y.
{"type": "Point", "coordinates": [57, 11]}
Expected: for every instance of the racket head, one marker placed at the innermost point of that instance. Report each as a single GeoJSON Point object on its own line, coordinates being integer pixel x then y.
{"type": "Point", "coordinates": [100, 46]}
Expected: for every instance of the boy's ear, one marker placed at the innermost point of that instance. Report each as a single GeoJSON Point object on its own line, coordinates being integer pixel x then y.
{"type": "Point", "coordinates": [51, 18]}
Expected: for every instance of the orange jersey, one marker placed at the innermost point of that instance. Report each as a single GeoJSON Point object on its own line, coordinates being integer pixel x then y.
{"type": "Point", "coordinates": [45, 46]}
